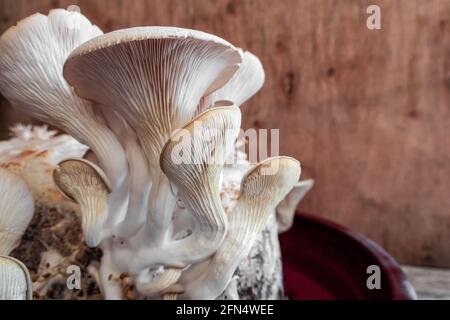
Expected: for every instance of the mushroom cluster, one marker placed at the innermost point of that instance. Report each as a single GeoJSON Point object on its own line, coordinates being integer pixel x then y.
{"type": "Point", "coordinates": [159, 109]}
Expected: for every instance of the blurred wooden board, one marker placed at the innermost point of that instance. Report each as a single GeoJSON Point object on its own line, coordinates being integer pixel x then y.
{"type": "Point", "coordinates": [429, 283]}
{"type": "Point", "coordinates": [366, 111]}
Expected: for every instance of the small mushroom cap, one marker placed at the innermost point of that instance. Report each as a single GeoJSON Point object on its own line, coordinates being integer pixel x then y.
{"type": "Point", "coordinates": [286, 208]}
{"type": "Point", "coordinates": [16, 210]}
{"type": "Point", "coordinates": [79, 165]}
{"type": "Point", "coordinates": [86, 184]}
{"type": "Point", "coordinates": [245, 83]}
{"type": "Point", "coordinates": [15, 281]}
{"type": "Point", "coordinates": [277, 173]}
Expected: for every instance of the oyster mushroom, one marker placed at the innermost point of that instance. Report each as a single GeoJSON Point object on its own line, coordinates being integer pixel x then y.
{"type": "Point", "coordinates": [245, 83]}
{"type": "Point", "coordinates": [32, 56]}
{"type": "Point", "coordinates": [16, 210]}
{"type": "Point", "coordinates": [193, 160]}
{"type": "Point", "coordinates": [286, 209]}
{"type": "Point", "coordinates": [261, 191]}
{"type": "Point", "coordinates": [15, 281]}
{"type": "Point", "coordinates": [87, 185]}
{"type": "Point", "coordinates": [154, 77]}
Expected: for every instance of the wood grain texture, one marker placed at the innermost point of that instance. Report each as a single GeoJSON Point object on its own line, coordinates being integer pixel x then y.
{"type": "Point", "coordinates": [367, 112]}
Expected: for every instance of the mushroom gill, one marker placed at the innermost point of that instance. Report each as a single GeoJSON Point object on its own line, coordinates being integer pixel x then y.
{"type": "Point", "coordinates": [15, 281]}
{"type": "Point", "coordinates": [16, 210]}
{"type": "Point", "coordinates": [87, 185]}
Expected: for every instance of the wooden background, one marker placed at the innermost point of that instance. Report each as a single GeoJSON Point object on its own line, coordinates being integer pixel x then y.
{"type": "Point", "coordinates": [366, 111]}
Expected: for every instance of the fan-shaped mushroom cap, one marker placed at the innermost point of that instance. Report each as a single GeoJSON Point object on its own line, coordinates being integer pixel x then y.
{"type": "Point", "coordinates": [16, 210]}
{"type": "Point", "coordinates": [286, 208]}
{"type": "Point", "coordinates": [32, 55]}
{"type": "Point", "coordinates": [262, 188]}
{"type": "Point", "coordinates": [86, 184]}
{"type": "Point", "coordinates": [15, 282]}
{"type": "Point", "coordinates": [153, 76]}
{"type": "Point", "coordinates": [245, 83]}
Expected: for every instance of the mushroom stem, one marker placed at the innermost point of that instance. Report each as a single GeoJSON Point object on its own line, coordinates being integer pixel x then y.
{"type": "Point", "coordinates": [112, 288]}
{"type": "Point", "coordinates": [139, 184]}
{"type": "Point", "coordinates": [159, 218]}
{"type": "Point", "coordinates": [90, 129]}
{"type": "Point", "coordinates": [138, 178]}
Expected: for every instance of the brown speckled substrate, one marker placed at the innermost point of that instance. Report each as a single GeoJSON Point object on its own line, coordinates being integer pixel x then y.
{"type": "Point", "coordinates": [58, 232]}
{"type": "Point", "coordinates": [52, 230]}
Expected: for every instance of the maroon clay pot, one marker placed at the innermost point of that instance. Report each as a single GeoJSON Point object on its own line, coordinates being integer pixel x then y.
{"type": "Point", "coordinates": [325, 261]}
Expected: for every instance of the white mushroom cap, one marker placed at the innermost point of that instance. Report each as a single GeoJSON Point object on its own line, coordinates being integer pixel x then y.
{"type": "Point", "coordinates": [286, 208]}
{"type": "Point", "coordinates": [153, 76]}
{"type": "Point", "coordinates": [261, 191]}
{"type": "Point", "coordinates": [15, 281]}
{"type": "Point", "coordinates": [32, 55]}
{"type": "Point", "coordinates": [16, 210]}
{"type": "Point", "coordinates": [245, 83]}
{"type": "Point", "coordinates": [86, 184]}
